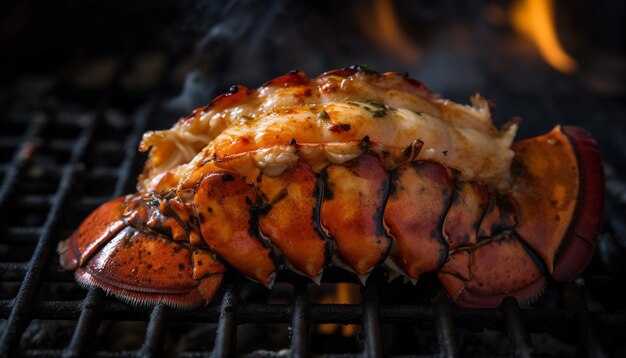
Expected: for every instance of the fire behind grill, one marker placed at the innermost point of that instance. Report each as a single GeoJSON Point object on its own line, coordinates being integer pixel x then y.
{"type": "Point", "coordinates": [66, 147]}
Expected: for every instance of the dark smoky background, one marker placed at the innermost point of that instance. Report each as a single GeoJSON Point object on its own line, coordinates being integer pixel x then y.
{"type": "Point", "coordinates": [455, 47]}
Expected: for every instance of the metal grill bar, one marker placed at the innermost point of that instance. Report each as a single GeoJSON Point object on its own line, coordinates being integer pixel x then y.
{"type": "Point", "coordinates": [520, 342]}
{"type": "Point", "coordinates": [87, 325]}
{"type": "Point", "coordinates": [156, 333]}
{"type": "Point", "coordinates": [446, 333]}
{"type": "Point", "coordinates": [22, 309]}
{"type": "Point", "coordinates": [226, 340]}
{"type": "Point", "coordinates": [371, 323]}
{"type": "Point", "coordinates": [20, 158]}
{"type": "Point", "coordinates": [300, 323]}
{"type": "Point", "coordinates": [574, 300]}
{"type": "Point", "coordinates": [471, 319]}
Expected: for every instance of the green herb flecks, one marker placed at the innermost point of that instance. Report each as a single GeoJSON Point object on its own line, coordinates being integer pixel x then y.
{"type": "Point", "coordinates": [323, 115]}
{"type": "Point", "coordinates": [377, 109]}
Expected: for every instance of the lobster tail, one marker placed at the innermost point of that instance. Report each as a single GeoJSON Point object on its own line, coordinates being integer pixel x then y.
{"type": "Point", "coordinates": [351, 168]}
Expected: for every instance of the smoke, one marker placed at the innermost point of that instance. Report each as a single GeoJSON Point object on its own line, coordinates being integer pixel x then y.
{"type": "Point", "coordinates": [249, 42]}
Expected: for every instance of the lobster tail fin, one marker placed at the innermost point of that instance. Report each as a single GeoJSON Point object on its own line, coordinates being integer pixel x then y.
{"type": "Point", "coordinates": [558, 191]}
{"type": "Point", "coordinates": [134, 247]}
{"type": "Point", "coordinates": [557, 196]}
{"type": "Point", "coordinates": [96, 230]}
{"type": "Point", "coordinates": [576, 252]}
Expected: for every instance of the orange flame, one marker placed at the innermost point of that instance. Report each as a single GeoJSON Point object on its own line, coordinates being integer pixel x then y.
{"type": "Point", "coordinates": [535, 20]}
{"type": "Point", "coordinates": [344, 293]}
{"type": "Point", "coordinates": [381, 25]}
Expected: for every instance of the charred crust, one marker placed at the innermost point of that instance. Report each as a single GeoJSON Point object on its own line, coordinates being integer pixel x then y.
{"type": "Point", "coordinates": [318, 193]}
{"type": "Point", "coordinates": [233, 89]}
{"type": "Point", "coordinates": [327, 190]}
{"type": "Point", "coordinates": [226, 177]}
{"type": "Point", "coordinates": [280, 196]}
{"type": "Point", "coordinates": [385, 191]}
{"type": "Point", "coordinates": [365, 144]}
{"type": "Point", "coordinates": [539, 263]}
{"type": "Point", "coordinates": [394, 176]}
{"type": "Point", "coordinates": [262, 209]}
{"type": "Point", "coordinates": [445, 249]}
{"type": "Point", "coordinates": [340, 128]}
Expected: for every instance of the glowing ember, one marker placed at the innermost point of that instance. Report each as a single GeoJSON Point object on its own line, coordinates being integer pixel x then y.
{"type": "Point", "coordinates": [535, 20]}
{"type": "Point", "coordinates": [341, 293]}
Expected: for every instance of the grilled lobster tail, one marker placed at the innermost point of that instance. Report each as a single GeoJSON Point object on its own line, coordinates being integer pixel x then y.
{"type": "Point", "coordinates": [351, 200]}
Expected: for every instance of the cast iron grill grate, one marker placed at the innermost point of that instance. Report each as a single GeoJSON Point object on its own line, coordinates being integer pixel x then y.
{"type": "Point", "coordinates": [60, 160]}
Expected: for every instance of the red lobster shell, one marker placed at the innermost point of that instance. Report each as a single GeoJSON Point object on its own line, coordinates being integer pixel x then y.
{"type": "Point", "coordinates": [351, 168]}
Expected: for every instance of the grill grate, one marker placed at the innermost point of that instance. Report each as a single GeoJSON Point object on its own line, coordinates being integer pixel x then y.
{"type": "Point", "coordinates": [64, 160]}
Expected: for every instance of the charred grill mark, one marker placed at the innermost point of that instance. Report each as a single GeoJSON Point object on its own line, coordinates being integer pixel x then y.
{"type": "Point", "coordinates": [327, 189]}
{"type": "Point", "coordinates": [320, 194]}
{"type": "Point", "coordinates": [281, 195]}
{"type": "Point", "coordinates": [340, 128]}
{"type": "Point", "coordinates": [394, 175]}
{"type": "Point", "coordinates": [541, 265]}
{"type": "Point", "coordinates": [445, 249]}
{"type": "Point", "coordinates": [480, 235]}
{"type": "Point", "coordinates": [378, 216]}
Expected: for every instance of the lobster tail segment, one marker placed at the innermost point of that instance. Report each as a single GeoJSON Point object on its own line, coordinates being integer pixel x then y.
{"type": "Point", "coordinates": [485, 274]}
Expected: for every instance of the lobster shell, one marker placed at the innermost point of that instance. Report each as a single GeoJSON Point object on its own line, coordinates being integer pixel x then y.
{"type": "Point", "coordinates": [530, 215]}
